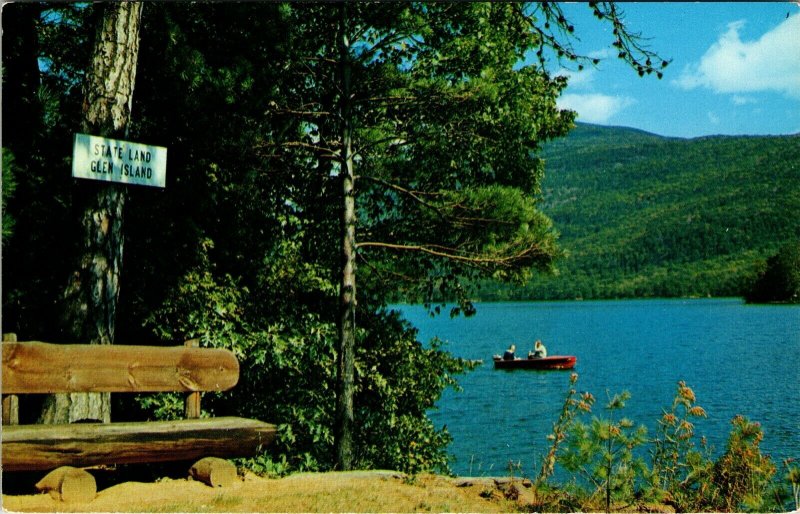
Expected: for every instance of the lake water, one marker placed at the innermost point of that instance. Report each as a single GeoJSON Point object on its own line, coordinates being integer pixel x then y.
{"type": "Point", "coordinates": [738, 359]}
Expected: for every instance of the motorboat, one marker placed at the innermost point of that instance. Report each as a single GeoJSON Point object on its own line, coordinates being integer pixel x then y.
{"type": "Point", "coordinates": [541, 363]}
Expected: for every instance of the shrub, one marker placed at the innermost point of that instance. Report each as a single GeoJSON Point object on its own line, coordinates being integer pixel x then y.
{"type": "Point", "coordinates": [572, 406]}
{"type": "Point", "coordinates": [780, 281]}
{"type": "Point", "coordinates": [793, 477]}
{"type": "Point", "coordinates": [680, 473]}
{"type": "Point", "coordinates": [742, 475]}
{"type": "Point", "coordinates": [288, 373]}
{"type": "Point", "coordinates": [602, 453]}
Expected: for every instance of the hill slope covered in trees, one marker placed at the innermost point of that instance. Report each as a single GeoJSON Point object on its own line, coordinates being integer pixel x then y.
{"type": "Point", "coordinates": [649, 216]}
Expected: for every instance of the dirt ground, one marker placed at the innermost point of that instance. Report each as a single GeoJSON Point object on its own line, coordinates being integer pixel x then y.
{"type": "Point", "coordinates": [366, 491]}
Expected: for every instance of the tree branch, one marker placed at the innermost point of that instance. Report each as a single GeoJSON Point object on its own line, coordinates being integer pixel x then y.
{"type": "Point", "coordinates": [325, 152]}
{"type": "Point", "coordinates": [384, 272]}
{"type": "Point", "coordinates": [414, 195]}
{"type": "Point", "coordinates": [449, 253]}
{"type": "Point", "coordinates": [628, 44]}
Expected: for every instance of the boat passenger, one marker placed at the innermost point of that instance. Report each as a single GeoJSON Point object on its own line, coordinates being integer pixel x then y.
{"type": "Point", "coordinates": [509, 354]}
{"type": "Point", "coordinates": [539, 351]}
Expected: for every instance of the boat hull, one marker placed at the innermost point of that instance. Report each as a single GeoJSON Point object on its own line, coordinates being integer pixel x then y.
{"type": "Point", "coordinates": [553, 362]}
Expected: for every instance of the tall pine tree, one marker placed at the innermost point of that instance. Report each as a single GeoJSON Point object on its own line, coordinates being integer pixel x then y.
{"type": "Point", "coordinates": [90, 299]}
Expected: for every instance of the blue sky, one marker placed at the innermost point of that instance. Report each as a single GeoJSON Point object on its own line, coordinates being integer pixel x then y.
{"type": "Point", "coordinates": [735, 69]}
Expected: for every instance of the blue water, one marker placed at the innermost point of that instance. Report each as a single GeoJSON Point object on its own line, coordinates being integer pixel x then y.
{"type": "Point", "coordinates": [738, 359]}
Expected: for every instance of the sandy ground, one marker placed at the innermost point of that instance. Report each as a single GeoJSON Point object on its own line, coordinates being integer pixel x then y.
{"type": "Point", "coordinates": [371, 491]}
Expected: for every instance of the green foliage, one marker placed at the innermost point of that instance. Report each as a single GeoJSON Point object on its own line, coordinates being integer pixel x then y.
{"type": "Point", "coordinates": [287, 371]}
{"type": "Point", "coordinates": [681, 474]}
{"type": "Point", "coordinates": [164, 406]}
{"type": "Point", "coordinates": [608, 472]}
{"type": "Point", "coordinates": [445, 128]}
{"type": "Point", "coordinates": [8, 185]}
{"type": "Point", "coordinates": [647, 216]}
{"type": "Point", "coordinates": [435, 127]}
{"type": "Point", "coordinates": [265, 465]}
{"type": "Point", "coordinates": [780, 281]}
{"type": "Point", "coordinates": [398, 380]}
{"type": "Point", "coordinates": [793, 478]}
{"type": "Point", "coordinates": [204, 306]}
{"type": "Point", "coordinates": [603, 454]}
{"type": "Point", "coordinates": [38, 107]}
{"type": "Point", "coordinates": [572, 407]}
{"type": "Point", "coordinates": [742, 475]}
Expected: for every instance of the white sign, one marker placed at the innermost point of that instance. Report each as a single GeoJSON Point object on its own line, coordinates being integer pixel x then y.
{"type": "Point", "coordinates": [112, 160]}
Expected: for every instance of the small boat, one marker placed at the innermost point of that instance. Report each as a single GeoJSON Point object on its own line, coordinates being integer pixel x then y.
{"type": "Point", "coordinates": [552, 362]}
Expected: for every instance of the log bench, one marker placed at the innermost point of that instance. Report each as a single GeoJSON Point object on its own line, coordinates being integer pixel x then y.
{"type": "Point", "coordinates": [36, 367]}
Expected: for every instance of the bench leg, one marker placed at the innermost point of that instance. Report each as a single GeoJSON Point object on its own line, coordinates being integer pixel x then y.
{"type": "Point", "coordinates": [10, 401]}
{"type": "Point", "coordinates": [214, 471]}
{"type": "Point", "coordinates": [69, 484]}
{"type": "Point", "coordinates": [10, 409]}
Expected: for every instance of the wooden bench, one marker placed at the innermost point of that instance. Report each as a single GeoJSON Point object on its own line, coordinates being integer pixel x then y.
{"type": "Point", "coordinates": [36, 367]}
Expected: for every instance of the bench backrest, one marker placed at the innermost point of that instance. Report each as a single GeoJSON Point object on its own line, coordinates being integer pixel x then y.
{"type": "Point", "coordinates": [35, 367]}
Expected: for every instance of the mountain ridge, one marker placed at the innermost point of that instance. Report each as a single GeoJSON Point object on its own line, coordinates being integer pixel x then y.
{"type": "Point", "coordinates": [584, 126]}
{"type": "Point", "coordinates": [643, 215]}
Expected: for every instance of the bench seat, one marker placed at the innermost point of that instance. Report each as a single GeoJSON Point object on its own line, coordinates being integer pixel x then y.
{"type": "Point", "coordinates": [45, 447]}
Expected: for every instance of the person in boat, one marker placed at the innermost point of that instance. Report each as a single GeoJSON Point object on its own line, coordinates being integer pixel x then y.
{"type": "Point", "coordinates": [509, 354]}
{"type": "Point", "coordinates": [539, 351]}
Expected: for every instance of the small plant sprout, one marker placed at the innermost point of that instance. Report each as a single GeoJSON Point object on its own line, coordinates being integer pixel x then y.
{"type": "Point", "coordinates": [572, 406]}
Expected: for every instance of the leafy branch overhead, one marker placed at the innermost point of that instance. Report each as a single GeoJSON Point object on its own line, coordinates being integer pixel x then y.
{"type": "Point", "coordinates": [494, 229]}
{"type": "Point", "coordinates": [631, 46]}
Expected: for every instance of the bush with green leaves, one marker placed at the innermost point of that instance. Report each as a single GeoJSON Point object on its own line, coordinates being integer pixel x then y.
{"type": "Point", "coordinates": [681, 474]}
{"type": "Point", "coordinates": [608, 471]}
{"type": "Point", "coordinates": [573, 405]}
{"type": "Point", "coordinates": [398, 380]}
{"type": "Point", "coordinates": [780, 280]}
{"type": "Point", "coordinates": [742, 475]}
{"type": "Point", "coordinates": [602, 454]}
{"type": "Point", "coordinates": [288, 371]}
{"type": "Point", "coordinates": [8, 185]}
{"type": "Point", "coordinates": [793, 478]}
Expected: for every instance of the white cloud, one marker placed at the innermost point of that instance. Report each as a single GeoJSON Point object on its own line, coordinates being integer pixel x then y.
{"type": "Point", "coordinates": [603, 53]}
{"type": "Point", "coordinates": [713, 118]}
{"type": "Point", "coordinates": [743, 100]}
{"type": "Point", "coordinates": [594, 108]}
{"type": "Point", "coordinates": [731, 65]}
{"type": "Point", "coordinates": [578, 79]}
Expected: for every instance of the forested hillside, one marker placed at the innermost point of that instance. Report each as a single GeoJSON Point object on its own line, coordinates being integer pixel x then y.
{"type": "Point", "coordinates": [643, 215]}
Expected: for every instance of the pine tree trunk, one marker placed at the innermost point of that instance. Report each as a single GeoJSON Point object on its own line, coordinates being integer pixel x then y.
{"type": "Point", "coordinates": [90, 299]}
{"type": "Point", "coordinates": [347, 292]}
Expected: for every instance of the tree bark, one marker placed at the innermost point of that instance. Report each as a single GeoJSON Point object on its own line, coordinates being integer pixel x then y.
{"type": "Point", "coordinates": [347, 292]}
{"type": "Point", "coordinates": [90, 298]}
